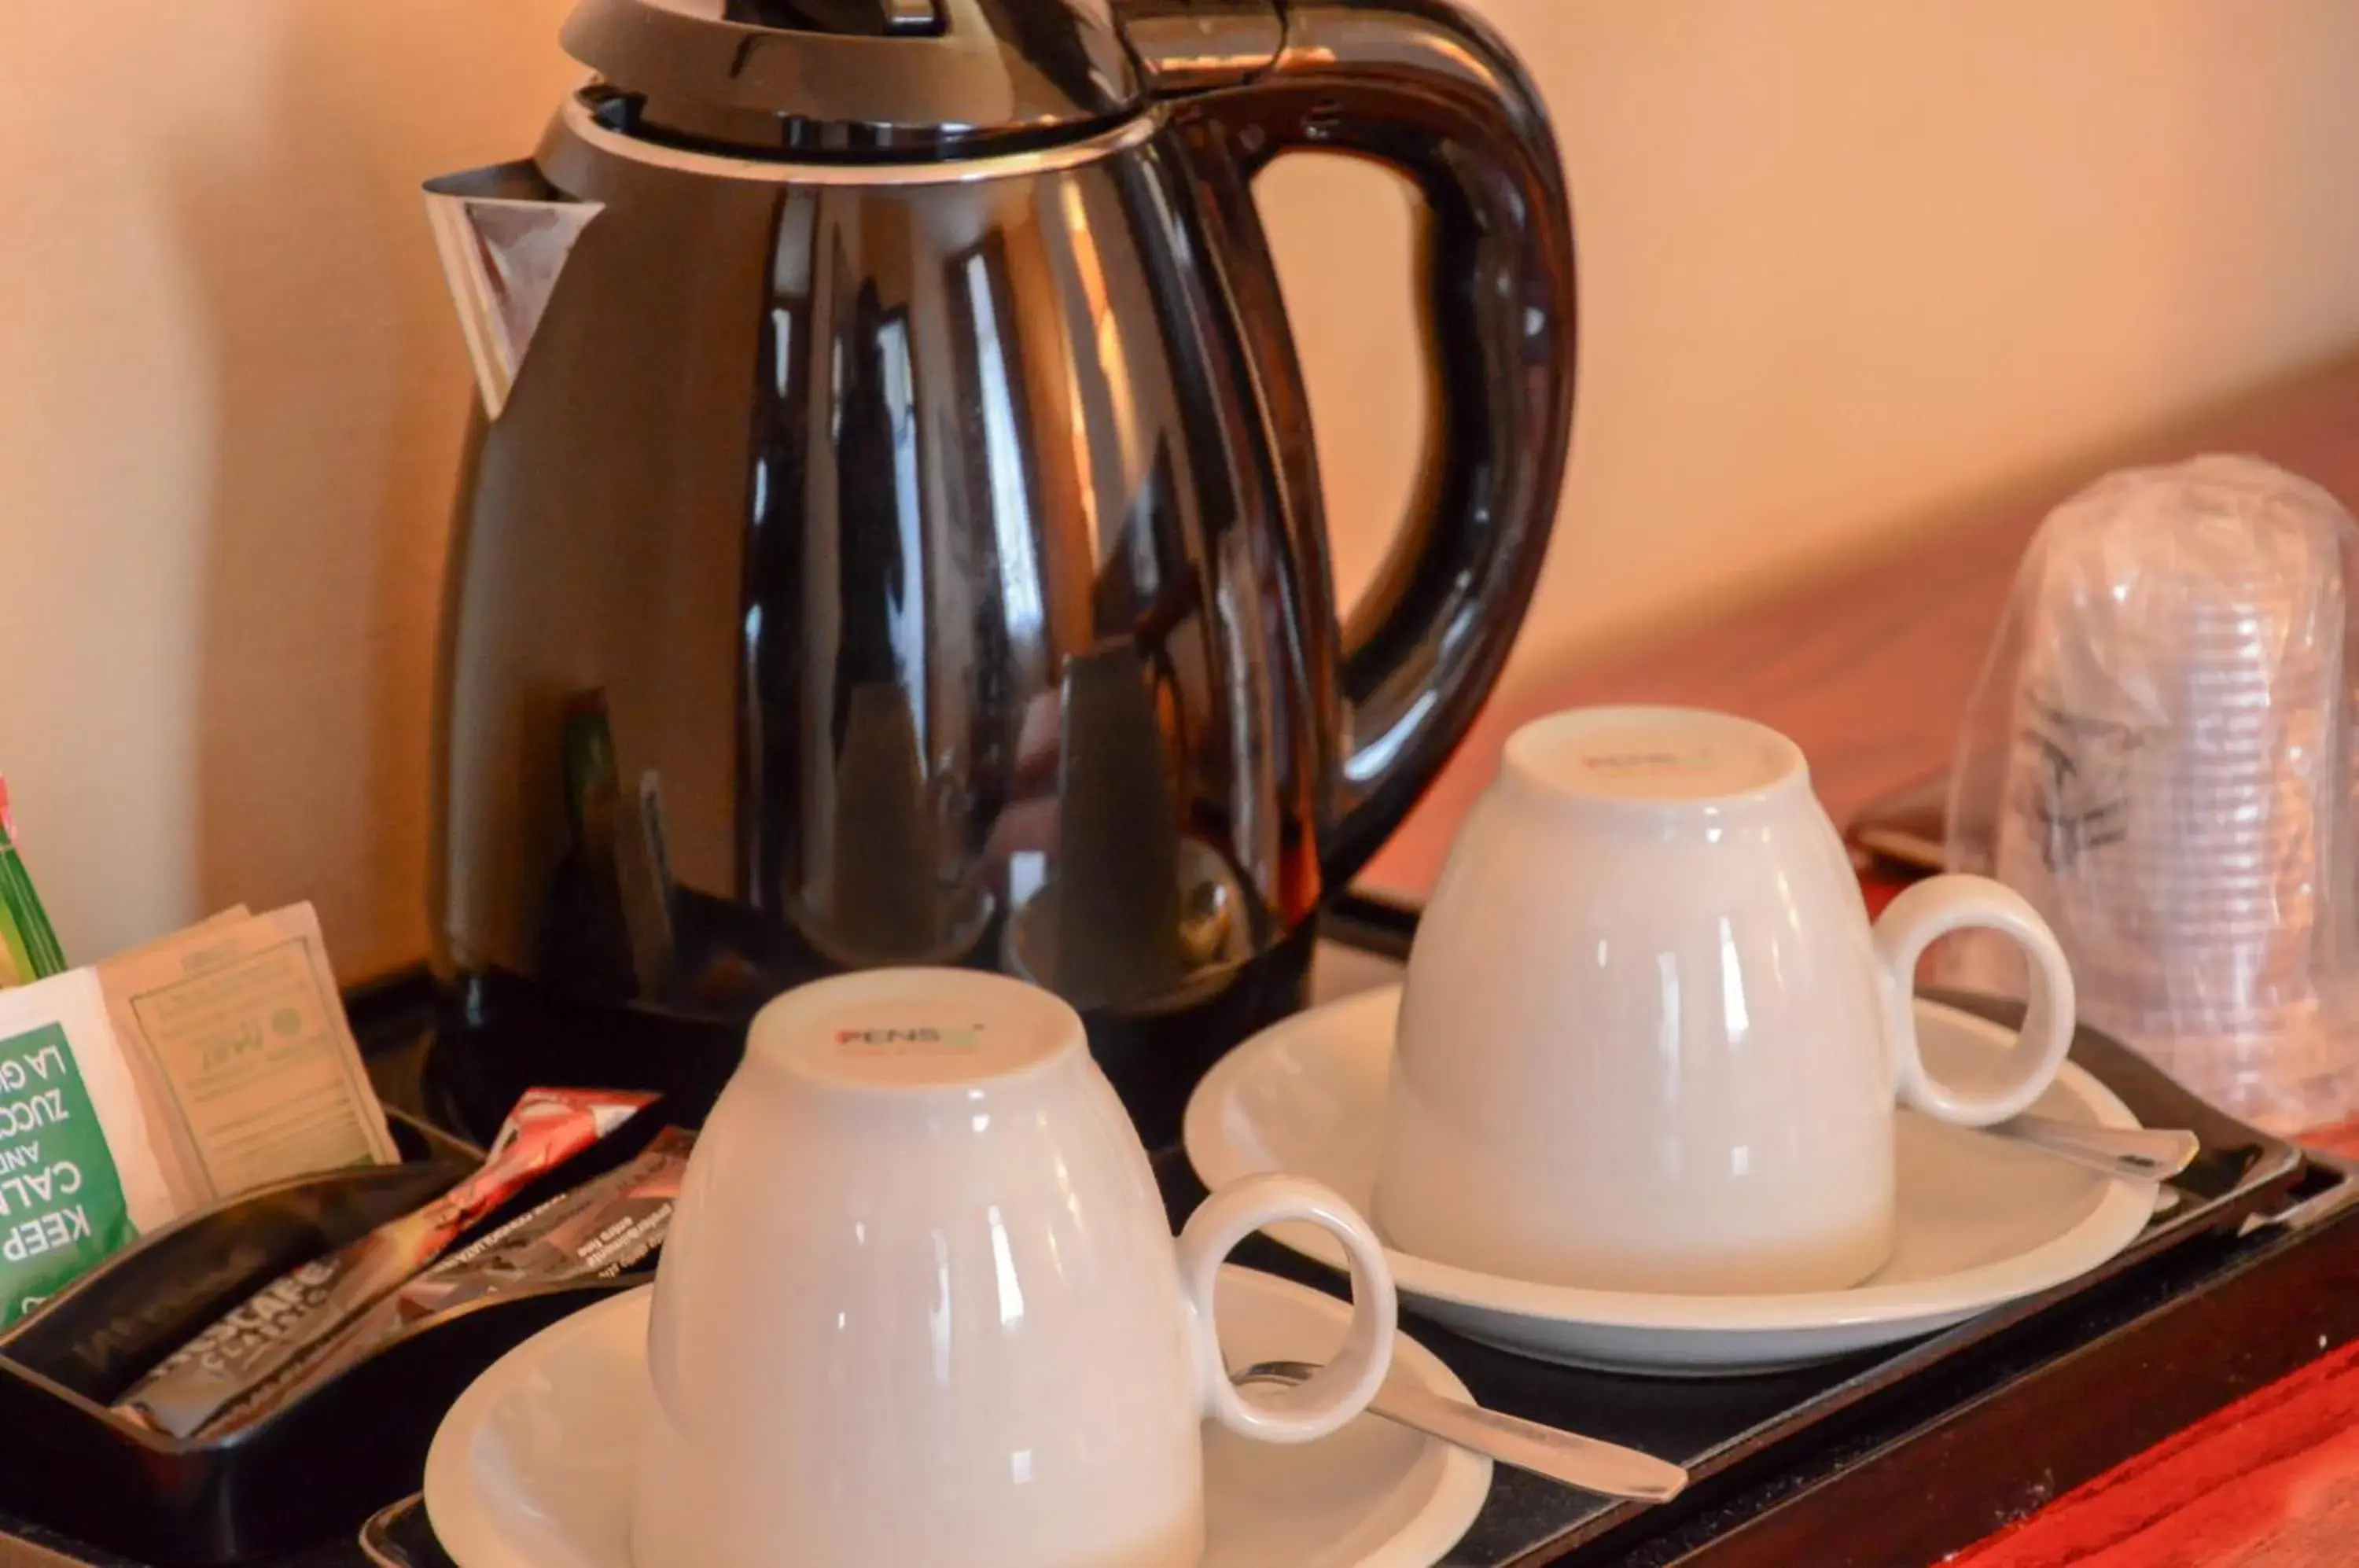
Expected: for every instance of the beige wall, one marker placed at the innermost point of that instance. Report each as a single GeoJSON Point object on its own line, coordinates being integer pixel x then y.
{"type": "Point", "coordinates": [1846, 260]}
{"type": "Point", "coordinates": [230, 393]}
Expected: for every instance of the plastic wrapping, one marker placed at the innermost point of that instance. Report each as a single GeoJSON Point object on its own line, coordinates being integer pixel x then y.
{"type": "Point", "coordinates": [2161, 757]}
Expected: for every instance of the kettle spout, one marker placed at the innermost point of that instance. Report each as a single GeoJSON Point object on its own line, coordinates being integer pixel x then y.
{"type": "Point", "coordinates": [505, 234]}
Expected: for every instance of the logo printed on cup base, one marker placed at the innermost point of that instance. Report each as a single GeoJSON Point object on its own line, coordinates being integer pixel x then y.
{"type": "Point", "coordinates": [919, 1041]}
{"type": "Point", "coordinates": [1648, 764]}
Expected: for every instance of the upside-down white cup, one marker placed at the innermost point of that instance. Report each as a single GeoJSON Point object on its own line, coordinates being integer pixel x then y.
{"type": "Point", "coordinates": [1649, 1040]}
{"type": "Point", "coordinates": [920, 1302]}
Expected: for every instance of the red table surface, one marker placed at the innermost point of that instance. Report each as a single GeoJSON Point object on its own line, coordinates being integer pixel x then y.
{"type": "Point", "coordinates": [2272, 1481]}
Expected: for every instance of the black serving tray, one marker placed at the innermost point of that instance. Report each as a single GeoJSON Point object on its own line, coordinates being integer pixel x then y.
{"type": "Point", "coordinates": [1888, 1459]}
{"type": "Point", "coordinates": [1901, 1455]}
{"type": "Point", "coordinates": [320, 1464]}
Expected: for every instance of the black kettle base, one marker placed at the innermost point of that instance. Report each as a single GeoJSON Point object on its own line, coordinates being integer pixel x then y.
{"type": "Point", "coordinates": [498, 1034]}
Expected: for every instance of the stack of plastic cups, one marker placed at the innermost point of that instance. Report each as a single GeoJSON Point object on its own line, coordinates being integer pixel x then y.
{"type": "Point", "coordinates": [2179, 773]}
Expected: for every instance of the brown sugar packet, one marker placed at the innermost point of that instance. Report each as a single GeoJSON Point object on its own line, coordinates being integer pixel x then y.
{"type": "Point", "coordinates": [595, 1231]}
{"type": "Point", "coordinates": [277, 1325]}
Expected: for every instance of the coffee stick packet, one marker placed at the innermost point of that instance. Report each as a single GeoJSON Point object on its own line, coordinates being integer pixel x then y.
{"type": "Point", "coordinates": [288, 1319]}
{"type": "Point", "coordinates": [597, 1231]}
{"type": "Point", "coordinates": [251, 1071]}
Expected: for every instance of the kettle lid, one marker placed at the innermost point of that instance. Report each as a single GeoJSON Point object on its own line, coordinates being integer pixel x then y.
{"type": "Point", "coordinates": [855, 79]}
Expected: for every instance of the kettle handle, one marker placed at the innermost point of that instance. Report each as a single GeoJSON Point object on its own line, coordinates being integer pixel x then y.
{"type": "Point", "coordinates": [1426, 88]}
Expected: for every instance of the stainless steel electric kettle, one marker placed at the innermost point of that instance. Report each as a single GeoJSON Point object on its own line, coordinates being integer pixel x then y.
{"type": "Point", "coordinates": [891, 531]}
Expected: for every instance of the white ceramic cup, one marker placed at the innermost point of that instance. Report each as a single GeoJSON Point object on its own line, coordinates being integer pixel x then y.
{"type": "Point", "coordinates": [1648, 1040]}
{"type": "Point", "coordinates": [920, 1302]}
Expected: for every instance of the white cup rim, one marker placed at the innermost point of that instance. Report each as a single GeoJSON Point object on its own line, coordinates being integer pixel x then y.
{"type": "Point", "coordinates": [1538, 762]}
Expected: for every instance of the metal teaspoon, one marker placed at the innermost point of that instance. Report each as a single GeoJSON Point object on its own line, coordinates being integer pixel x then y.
{"type": "Point", "coordinates": [2137, 1154]}
{"type": "Point", "coordinates": [1585, 1462]}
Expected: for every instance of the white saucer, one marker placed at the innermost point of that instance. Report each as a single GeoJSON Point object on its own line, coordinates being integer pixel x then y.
{"type": "Point", "coordinates": [1982, 1221]}
{"type": "Point", "coordinates": [532, 1468]}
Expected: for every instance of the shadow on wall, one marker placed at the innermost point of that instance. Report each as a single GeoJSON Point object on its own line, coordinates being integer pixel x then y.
{"type": "Point", "coordinates": [1852, 272]}
{"type": "Point", "coordinates": [342, 397]}
{"type": "Point", "coordinates": [1844, 262]}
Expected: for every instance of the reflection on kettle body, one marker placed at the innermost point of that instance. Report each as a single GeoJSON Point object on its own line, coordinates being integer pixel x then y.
{"type": "Point", "coordinates": [889, 411]}
{"type": "Point", "coordinates": [1106, 928]}
{"type": "Point", "coordinates": [885, 881]}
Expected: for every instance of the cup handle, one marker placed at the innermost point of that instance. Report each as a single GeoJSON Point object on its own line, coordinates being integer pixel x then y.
{"type": "Point", "coordinates": [1933, 908]}
{"type": "Point", "coordinates": [1344, 1386]}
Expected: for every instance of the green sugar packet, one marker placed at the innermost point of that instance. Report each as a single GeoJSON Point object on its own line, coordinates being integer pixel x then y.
{"type": "Point", "coordinates": [79, 1175]}
{"type": "Point", "coordinates": [28, 946]}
